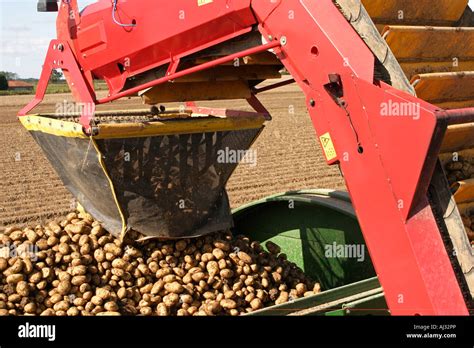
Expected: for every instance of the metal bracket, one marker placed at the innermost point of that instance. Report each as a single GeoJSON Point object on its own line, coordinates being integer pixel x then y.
{"type": "Point", "coordinates": [336, 91]}
{"type": "Point", "coordinates": [60, 56]}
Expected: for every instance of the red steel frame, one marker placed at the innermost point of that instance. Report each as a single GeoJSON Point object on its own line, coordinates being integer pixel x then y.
{"type": "Point", "coordinates": [387, 162]}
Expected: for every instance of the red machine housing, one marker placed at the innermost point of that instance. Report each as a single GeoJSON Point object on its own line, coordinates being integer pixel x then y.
{"type": "Point", "coordinates": [387, 162]}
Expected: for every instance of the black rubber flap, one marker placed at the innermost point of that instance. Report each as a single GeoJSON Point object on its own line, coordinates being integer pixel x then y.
{"type": "Point", "coordinates": [173, 186]}
{"type": "Point", "coordinates": [167, 186]}
{"type": "Point", "coordinates": [77, 163]}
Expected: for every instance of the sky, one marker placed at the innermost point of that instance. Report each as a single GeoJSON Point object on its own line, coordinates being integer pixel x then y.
{"type": "Point", "coordinates": [26, 33]}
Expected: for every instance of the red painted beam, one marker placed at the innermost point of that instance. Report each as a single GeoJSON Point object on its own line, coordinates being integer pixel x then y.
{"type": "Point", "coordinates": [192, 70]}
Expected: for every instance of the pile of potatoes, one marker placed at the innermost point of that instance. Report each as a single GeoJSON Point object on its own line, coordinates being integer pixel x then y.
{"type": "Point", "coordinates": [461, 169]}
{"type": "Point", "coordinates": [468, 220]}
{"type": "Point", "coordinates": [75, 267]}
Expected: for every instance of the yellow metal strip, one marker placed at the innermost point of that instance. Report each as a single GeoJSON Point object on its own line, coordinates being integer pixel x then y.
{"type": "Point", "coordinates": [446, 88]}
{"type": "Point", "coordinates": [459, 104]}
{"type": "Point", "coordinates": [52, 126]}
{"type": "Point", "coordinates": [465, 191]}
{"type": "Point", "coordinates": [427, 67]}
{"type": "Point", "coordinates": [415, 43]}
{"type": "Point", "coordinates": [120, 113]}
{"type": "Point", "coordinates": [466, 208]}
{"type": "Point", "coordinates": [80, 208]}
{"type": "Point", "coordinates": [112, 188]}
{"type": "Point", "coordinates": [428, 12]}
{"type": "Point", "coordinates": [187, 126]}
{"type": "Point", "coordinates": [457, 138]}
{"type": "Point", "coordinates": [218, 90]}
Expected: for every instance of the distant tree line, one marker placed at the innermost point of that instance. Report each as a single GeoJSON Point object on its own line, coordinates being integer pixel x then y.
{"type": "Point", "coordinates": [9, 75]}
{"type": "Point", "coordinates": [3, 82]}
{"type": "Point", "coordinates": [5, 76]}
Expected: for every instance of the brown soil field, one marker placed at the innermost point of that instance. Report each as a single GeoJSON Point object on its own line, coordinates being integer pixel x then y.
{"type": "Point", "coordinates": [288, 158]}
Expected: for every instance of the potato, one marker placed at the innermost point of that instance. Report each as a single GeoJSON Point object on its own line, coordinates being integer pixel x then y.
{"type": "Point", "coordinates": [16, 268]}
{"type": "Point", "coordinates": [206, 257]}
{"type": "Point", "coordinates": [276, 277]}
{"type": "Point", "coordinates": [146, 311]}
{"type": "Point", "coordinates": [35, 277]}
{"type": "Point", "coordinates": [186, 298]}
{"type": "Point", "coordinates": [109, 314]}
{"type": "Point", "coordinates": [14, 298]}
{"type": "Point", "coordinates": [283, 298]}
{"type": "Point", "coordinates": [78, 280]}
{"type": "Point", "coordinates": [46, 272]}
{"type": "Point", "coordinates": [3, 264]}
{"type": "Point", "coordinates": [14, 278]}
{"type": "Point", "coordinates": [256, 303]}
{"type": "Point", "coordinates": [222, 244]}
{"type": "Point", "coordinates": [317, 288]}
{"type": "Point", "coordinates": [119, 263]}
{"type": "Point", "coordinates": [64, 287]}
{"type": "Point", "coordinates": [42, 285]}
{"type": "Point", "coordinates": [226, 273]}
{"type": "Point", "coordinates": [22, 288]}
{"type": "Point", "coordinates": [163, 272]}
{"type": "Point", "coordinates": [81, 270]}
{"type": "Point", "coordinates": [218, 254]}
{"type": "Point", "coordinates": [169, 278]}
{"type": "Point", "coordinates": [30, 308]}
{"type": "Point", "coordinates": [52, 241]}
{"type": "Point", "coordinates": [99, 255]}
{"type": "Point", "coordinates": [171, 300]}
{"type": "Point", "coordinates": [48, 312]}
{"type": "Point", "coordinates": [73, 312]}
{"type": "Point", "coordinates": [102, 293]}
{"type": "Point", "coordinates": [212, 308]}
{"type": "Point", "coordinates": [228, 304]}
{"type": "Point", "coordinates": [16, 235]}
{"type": "Point", "coordinates": [111, 306]}
{"type": "Point", "coordinates": [31, 235]}
{"type": "Point", "coordinates": [96, 300]}
{"type": "Point", "coordinates": [212, 268]}
{"type": "Point", "coordinates": [27, 266]}
{"type": "Point", "coordinates": [55, 298]}
{"type": "Point", "coordinates": [74, 229]}
{"type": "Point", "coordinates": [62, 306]}
{"type": "Point", "coordinates": [174, 287]}
{"type": "Point", "coordinates": [246, 258]}
{"type": "Point", "coordinates": [181, 245]}
{"type": "Point", "coordinates": [113, 249]}
{"type": "Point", "coordinates": [273, 248]}
{"type": "Point", "coordinates": [162, 309]}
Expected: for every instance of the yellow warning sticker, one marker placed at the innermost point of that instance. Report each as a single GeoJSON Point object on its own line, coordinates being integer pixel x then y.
{"type": "Point", "coordinates": [328, 146]}
{"type": "Point", "coordinates": [204, 2]}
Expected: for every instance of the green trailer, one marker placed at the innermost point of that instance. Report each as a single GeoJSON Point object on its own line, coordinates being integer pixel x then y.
{"type": "Point", "coordinates": [317, 230]}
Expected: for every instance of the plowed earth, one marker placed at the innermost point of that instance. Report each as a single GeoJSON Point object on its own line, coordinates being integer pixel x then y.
{"type": "Point", "coordinates": [287, 152]}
